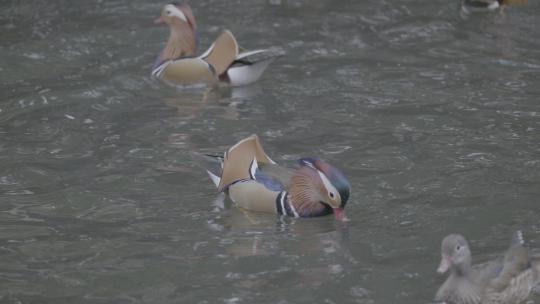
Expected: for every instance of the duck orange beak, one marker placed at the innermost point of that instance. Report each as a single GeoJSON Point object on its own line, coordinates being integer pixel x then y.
{"type": "Point", "coordinates": [339, 213]}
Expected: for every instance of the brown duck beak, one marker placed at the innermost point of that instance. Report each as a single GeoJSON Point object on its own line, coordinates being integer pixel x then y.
{"type": "Point", "coordinates": [444, 265]}
{"type": "Point", "coordinates": [159, 20]}
{"type": "Point", "coordinates": [339, 213]}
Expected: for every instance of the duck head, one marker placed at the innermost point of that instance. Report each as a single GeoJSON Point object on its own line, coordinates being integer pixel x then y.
{"type": "Point", "coordinates": [177, 14]}
{"type": "Point", "coordinates": [318, 182]}
{"type": "Point", "coordinates": [183, 37]}
{"type": "Point", "coordinates": [455, 254]}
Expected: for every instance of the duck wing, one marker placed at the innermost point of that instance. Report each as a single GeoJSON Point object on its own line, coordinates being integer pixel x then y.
{"type": "Point", "coordinates": [222, 52]}
{"type": "Point", "coordinates": [515, 280]}
{"type": "Point", "coordinates": [241, 161]}
{"type": "Point", "coordinates": [274, 177]}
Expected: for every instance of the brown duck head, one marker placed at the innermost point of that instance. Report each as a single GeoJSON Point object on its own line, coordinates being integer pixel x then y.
{"type": "Point", "coordinates": [455, 255]}
{"type": "Point", "coordinates": [316, 183]}
{"type": "Point", "coordinates": [183, 31]}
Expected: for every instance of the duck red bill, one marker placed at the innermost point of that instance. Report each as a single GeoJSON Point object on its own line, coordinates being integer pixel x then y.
{"type": "Point", "coordinates": [444, 265]}
{"type": "Point", "coordinates": [159, 20]}
{"type": "Point", "coordinates": [339, 213]}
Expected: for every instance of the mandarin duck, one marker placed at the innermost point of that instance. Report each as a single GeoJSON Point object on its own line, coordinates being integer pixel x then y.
{"type": "Point", "coordinates": [255, 182]}
{"type": "Point", "coordinates": [469, 6]}
{"type": "Point", "coordinates": [507, 280]}
{"type": "Point", "coordinates": [222, 62]}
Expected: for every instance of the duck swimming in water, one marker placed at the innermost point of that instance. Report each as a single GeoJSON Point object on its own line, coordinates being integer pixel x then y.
{"type": "Point", "coordinates": [255, 182]}
{"type": "Point", "coordinates": [224, 61]}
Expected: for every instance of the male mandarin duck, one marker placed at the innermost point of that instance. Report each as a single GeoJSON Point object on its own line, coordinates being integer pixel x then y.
{"type": "Point", "coordinates": [469, 6]}
{"type": "Point", "coordinates": [223, 61]}
{"type": "Point", "coordinates": [507, 280]}
{"type": "Point", "coordinates": [255, 182]}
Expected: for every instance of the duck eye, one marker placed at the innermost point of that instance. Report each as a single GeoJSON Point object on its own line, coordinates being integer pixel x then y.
{"type": "Point", "coordinates": [458, 248]}
{"type": "Point", "coordinates": [168, 12]}
{"type": "Point", "coordinates": [332, 195]}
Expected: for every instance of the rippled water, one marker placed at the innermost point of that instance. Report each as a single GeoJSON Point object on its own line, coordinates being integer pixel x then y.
{"type": "Point", "coordinates": [433, 116]}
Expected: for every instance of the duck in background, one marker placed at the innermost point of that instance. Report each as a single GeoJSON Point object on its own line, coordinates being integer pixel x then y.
{"type": "Point", "coordinates": [471, 6]}
{"type": "Point", "coordinates": [255, 182]}
{"type": "Point", "coordinates": [507, 280]}
{"type": "Point", "coordinates": [224, 61]}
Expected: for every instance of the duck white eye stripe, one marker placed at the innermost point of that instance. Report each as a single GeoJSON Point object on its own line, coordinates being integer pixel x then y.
{"type": "Point", "coordinates": [327, 184]}
{"type": "Point", "coordinates": [178, 13]}
{"type": "Point", "coordinates": [309, 165]}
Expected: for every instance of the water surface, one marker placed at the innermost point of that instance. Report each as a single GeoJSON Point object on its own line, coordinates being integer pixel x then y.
{"type": "Point", "coordinates": [433, 116]}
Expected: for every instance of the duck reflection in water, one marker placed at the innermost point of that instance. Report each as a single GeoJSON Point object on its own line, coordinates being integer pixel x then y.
{"type": "Point", "coordinates": [310, 252]}
{"type": "Point", "coordinates": [193, 103]}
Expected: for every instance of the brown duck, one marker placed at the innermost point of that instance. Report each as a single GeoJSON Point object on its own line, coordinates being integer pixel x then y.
{"type": "Point", "coordinates": [507, 280]}
{"type": "Point", "coordinates": [222, 62]}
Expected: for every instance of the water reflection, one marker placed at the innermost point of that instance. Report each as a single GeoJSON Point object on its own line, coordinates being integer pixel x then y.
{"type": "Point", "coordinates": [434, 118]}
{"type": "Point", "coordinates": [297, 253]}
{"type": "Point", "coordinates": [192, 103]}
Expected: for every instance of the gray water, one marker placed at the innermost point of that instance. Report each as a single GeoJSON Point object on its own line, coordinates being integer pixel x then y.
{"type": "Point", "coordinates": [433, 116]}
